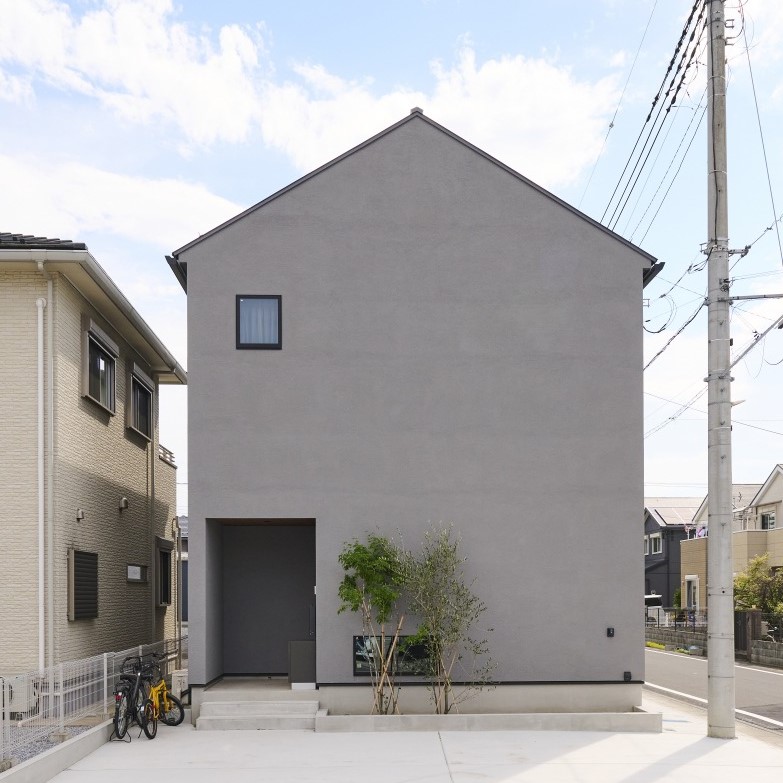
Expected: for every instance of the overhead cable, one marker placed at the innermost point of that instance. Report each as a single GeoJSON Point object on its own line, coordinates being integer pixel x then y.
{"type": "Point", "coordinates": [655, 103]}
{"type": "Point", "coordinates": [761, 135]}
{"type": "Point", "coordinates": [619, 103]}
{"type": "Point", "coordinates": [675, 335]}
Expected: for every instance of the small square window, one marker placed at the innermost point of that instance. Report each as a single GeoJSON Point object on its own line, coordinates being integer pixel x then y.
{"type": "Point", "coordinates": [259, 321]}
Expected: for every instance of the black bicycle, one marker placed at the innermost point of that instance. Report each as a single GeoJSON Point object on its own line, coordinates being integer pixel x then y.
{"type": "Point", "coordinates": [131, 702]}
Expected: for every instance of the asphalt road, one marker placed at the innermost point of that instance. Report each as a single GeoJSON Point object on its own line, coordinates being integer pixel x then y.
{"type": "Point", "coordinates": [757, 690]}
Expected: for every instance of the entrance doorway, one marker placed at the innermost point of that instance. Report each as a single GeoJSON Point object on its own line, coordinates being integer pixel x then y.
{"type": "Point", "coordinates": [268, 592]}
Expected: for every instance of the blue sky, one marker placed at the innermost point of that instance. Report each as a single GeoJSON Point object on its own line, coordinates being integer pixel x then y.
{"type": "Point", "coordinates": [135, 125]}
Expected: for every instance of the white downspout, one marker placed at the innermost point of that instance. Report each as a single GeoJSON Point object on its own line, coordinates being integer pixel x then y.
{"type": "Point", "coordinates": [50, 475]}
{"type": "Point", "coordinates": [41, 304]}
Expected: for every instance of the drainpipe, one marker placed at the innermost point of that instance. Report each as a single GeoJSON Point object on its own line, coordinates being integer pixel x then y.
{"type": "Point", "coordinates": [49, 465]}
{"type": "Point", "coordinates": [50, 475]}
{"type": "Point", "coordinates": [175, 528]}
{"type": "Point", "coordinates": [41, 304]}
{"type": "Point", "coordinates": [153, 451]}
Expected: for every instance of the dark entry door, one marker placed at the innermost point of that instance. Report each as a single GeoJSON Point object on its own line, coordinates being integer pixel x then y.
{"type": "Point", "coordinates": [268, 593]}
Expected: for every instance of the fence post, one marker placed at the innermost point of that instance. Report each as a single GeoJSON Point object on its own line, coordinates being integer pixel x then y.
{"type": "Point", "coordinates": [61, 724]}
{"type": "Point", "coordinates": [754, 630]}
{"type": "Point", "coordinates": [5, 746]}
{"type": "Point", "coordinates": [106, 683]}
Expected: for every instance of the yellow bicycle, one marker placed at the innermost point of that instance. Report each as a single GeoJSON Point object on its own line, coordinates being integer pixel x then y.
{"type": "Point", "coordinates": [166, 706]}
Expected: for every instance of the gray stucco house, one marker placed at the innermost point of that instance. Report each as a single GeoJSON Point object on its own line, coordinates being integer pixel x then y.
{"type": "Point", "coordinates": [415, 332]}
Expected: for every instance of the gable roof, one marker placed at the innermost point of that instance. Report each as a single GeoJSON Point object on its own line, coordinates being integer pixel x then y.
{"type": "Point", "coordinates": [24, 252]}
{"type": "Point", "coordinates": [776, 471]}
{"type": "Point", "coordinates": [741, 497]}
{"type": "Point", "coordinates": [14, 241]}
{"type": "Point", "coordinates": [671, 512]}
{"type": "Point", "coordinates": [416, 115]}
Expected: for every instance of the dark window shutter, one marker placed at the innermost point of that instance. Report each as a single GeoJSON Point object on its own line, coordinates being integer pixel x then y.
{"type": "Point", "coordinates": [85, 585]}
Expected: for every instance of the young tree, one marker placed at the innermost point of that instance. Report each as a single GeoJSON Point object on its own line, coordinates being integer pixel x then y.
{"type": "Point", "coordinates": [759, 586]}
{"type": "Point", "coordinates": [447, 609]}
{"type": "Point", "coordinates": [372, 586]}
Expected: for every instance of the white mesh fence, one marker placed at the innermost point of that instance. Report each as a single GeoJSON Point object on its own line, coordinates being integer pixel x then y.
{"type": "Point", "coordinates": [45, 706]}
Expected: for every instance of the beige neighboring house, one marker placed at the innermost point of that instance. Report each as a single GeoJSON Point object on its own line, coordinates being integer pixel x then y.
{"type": "Point", "coordinates": [757, 527]}
{"type": "Point", "coordinates": [87, 493]}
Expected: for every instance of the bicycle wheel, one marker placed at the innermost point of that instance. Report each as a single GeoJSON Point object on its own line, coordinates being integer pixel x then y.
{"type": "Point", "coordinates": [149, 720]}
{"type": "Point", "coordinates": [171, 711]}
{"type": "Point", "coordinates": [138, 707]}
{"type": "Point", "coordinates": [121, 715]}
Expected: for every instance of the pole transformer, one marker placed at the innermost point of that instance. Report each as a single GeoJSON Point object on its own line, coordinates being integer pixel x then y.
{"type": "Point", "coordinates": [720, 579]}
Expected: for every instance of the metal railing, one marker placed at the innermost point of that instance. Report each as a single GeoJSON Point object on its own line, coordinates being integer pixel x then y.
{"type": "Point", "coordinates": [770, 628]}
{"type": "Point", "coordinates": [43, 707]}
{"type": "Point", "coordinates": [678, 619]}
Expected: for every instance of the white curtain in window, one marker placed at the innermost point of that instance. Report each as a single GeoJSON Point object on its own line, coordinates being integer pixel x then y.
{"type": "Point", "coordinates": [258, 321]}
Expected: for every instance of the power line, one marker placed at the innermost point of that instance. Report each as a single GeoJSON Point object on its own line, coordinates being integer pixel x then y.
{"type": "Point", "coordinates": [660, 113]}
{"type": "Point", "coordinates": [617, 109]}
{"type": "Point", "coordinates": [642, 163]}
{"type": "Point", "coordinates": [675, 335]}
{"type": "Point", "coordinates": [689, 405]}
{"type": "Point", "coordinates": [674, 178]}
{"type": "Point", "coordinates": [761, 134]}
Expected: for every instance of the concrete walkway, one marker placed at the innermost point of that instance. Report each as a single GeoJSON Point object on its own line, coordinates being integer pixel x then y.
{"type": "Point", "coordinates": [681, 752]}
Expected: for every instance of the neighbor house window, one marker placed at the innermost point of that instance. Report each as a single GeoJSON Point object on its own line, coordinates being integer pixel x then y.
{"type": "Point", "coordinates": [140, 407]}
{"type": "Point", "coordinates": [767, 520]}
{"type": "Point", "coordinates": [82, 585]}
{"type": "Point", "coordinates": [647, 545]}
{"type": "Point", "coordinates": [163, 563]}
{"type": "Point", "coordinates": [259, 321]}
{"type": "Point", "coordinates": [692, 592]}
{"type": "Point", "coordinates": [100, 366]}
{"type": "Point", "coordinates": [656, 544]}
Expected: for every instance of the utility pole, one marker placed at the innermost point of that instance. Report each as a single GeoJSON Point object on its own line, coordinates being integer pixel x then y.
{"type": "Point", "coordinates": [720, 587]}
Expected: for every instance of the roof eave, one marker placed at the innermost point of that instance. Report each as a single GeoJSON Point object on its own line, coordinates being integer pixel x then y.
{"type": "Point", "coordinates": [84, 272]}
{"type": "Point", "coordinates": [650, 260]}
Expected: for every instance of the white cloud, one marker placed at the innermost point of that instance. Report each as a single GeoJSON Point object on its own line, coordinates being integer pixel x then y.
{"type": "Point", "coordinates": [14, 89]}
{"type": "Point", "coordinates": [134, 58]}
{"type": "Point", "coordinates": [530, 113]}
{"type": "Point", "coordinates": [75, 200]}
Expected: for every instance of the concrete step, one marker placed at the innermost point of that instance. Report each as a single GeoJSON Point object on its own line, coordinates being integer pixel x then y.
{"type": "Point", "coordinates": [257, 716]}
{"type": "Point", "coordinates": [256, 723]}
{"type": "Point", "coordinates": [213, 709]}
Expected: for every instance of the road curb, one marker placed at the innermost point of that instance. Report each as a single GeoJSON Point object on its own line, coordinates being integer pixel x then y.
{"type": "Point", "coordinates": [697, 701]}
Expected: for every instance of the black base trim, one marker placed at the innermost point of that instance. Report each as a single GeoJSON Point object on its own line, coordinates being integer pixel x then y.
{"type": "Point", "coordinates": [418, 684]}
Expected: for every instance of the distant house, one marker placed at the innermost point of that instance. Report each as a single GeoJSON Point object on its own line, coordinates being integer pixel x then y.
{"type": "Point", "coordinates": [87, 493]}
{"type": "Point", "coordinates": [666, 523]}
{"type": "Point", "coordinates": [754, 506]}
{"type": "Point", "coordinates": [415, 332]}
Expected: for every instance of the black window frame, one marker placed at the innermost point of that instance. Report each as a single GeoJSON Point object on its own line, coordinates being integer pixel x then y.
{"type": "Point", "coordinates": [260, 346]}
{"type": "Point", "coordinates": [140, 384]}
{"type": "Point", "coordinates": [98, 345]}
{"type": "Point", "coordinates": [97, 351]}
{"type": "Point", "coordinates": [164, 581]}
